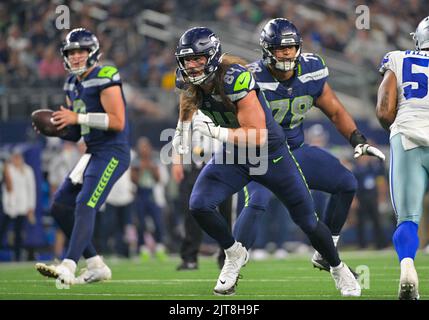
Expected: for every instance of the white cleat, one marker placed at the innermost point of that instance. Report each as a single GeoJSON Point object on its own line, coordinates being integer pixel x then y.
{"type": "Point", "coordinates": [236, 257]}
{"type": "Point", "coordinates": [46, 270]}
{"type": "Point", "coordinates": [345, 281]}
{"type": "Point", "coordinates": [64, 271]}
{"type": "Point", "coordinates": [409, 282]}
{"type": "Point", "coordinates": [96, 271]}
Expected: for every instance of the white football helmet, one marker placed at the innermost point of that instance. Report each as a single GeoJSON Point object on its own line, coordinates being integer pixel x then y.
{"type": "Point", "coordinates": [421, 35]}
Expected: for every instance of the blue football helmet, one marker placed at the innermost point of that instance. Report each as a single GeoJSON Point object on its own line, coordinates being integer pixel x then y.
{"type": "Point", "coordinates": [199, 41]}
{"type": "Point", "coordinates": [421, 35]}
{"type": "Point", "coordinates": [80, 38]}
{"type": "Point", "coordinates": [277, 33]}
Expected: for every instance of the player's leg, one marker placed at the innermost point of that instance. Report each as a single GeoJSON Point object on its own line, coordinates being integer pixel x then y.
{"type": "Point", "coordinates": [62, 210]}
{"type": "Point", "coordinates": [214, 184]}
{"type": "Point", "coordinates": [285, 179]}
{"type": "Point", "coordinates": [408, 183]}
{"type": "Point", "coordinates": [100, 176]}
{"type": "Point", "coordinates": [318, 167]}
{"type": "Point", "coordinates": [256, 200]}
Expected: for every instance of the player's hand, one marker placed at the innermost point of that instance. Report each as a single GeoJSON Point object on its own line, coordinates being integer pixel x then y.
{"type": "Point", "coordinates": [206, 126]}
{"type": "Point", "coordinates": [64, 117]}
{"type": "Point", "coordinates": [365, 149]}
{"type": "Point", "coordinates": [181, 139]}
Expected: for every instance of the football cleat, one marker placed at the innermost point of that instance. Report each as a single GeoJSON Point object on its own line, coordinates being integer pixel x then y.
{"type": "Point", "coordinates": [409, 282]}
{"type": "Point", "coordinates": [96, 271]}
{"type": "Point", "coordinates": [47, 270]}
{"type": "Point", "coordinates": [63, 271]}
{"type": "Point", "coordinates": [345, 281]}
{"type": "Point", "coordinates": [236, 257]}
{"type": "Point", "coordinates": [320, 263]}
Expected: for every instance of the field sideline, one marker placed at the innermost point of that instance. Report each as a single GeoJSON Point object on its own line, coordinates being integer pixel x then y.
{"type": "Point", "coordinates": [290, 279]}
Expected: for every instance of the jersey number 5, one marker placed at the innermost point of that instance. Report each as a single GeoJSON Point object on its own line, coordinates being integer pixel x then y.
{"type": "Point", "coordinates": [419, 77]}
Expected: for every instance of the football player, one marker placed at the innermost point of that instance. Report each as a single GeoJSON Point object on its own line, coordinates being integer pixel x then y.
{"type": "Point", "coordinates": [403, 108]}
{"type": "Point", "coordinates": [293, 82]}
{"type": "Point", "coordinates": [95, 111]}
{"type": "Point", "coordinates": [234, 111]}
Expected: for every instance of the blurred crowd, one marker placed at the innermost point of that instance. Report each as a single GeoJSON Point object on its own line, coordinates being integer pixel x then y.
{"type": "Point", "coordinates": [29, 40]}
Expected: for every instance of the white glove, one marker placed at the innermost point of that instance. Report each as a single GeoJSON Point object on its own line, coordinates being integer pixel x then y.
{"type": "Point", "coordinates": [205, 126]}
{"type": "Point", "coordinates": [181, 139]}
{"type": "Point", "coordinates": [366, 149]}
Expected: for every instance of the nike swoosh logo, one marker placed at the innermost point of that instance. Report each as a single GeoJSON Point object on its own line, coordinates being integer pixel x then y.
{"type": "Point", "coordinates": [278, 159]}
{"type": "Point", "coordinates": [223, 282]}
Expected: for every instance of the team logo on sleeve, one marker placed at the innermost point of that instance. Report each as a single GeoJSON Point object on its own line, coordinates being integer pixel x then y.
{"type": "Point", "coordinates": [243, 81]}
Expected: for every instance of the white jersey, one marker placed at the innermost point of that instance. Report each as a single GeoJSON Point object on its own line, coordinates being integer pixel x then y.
{"type": "Point", "coordinates": [411, 69]}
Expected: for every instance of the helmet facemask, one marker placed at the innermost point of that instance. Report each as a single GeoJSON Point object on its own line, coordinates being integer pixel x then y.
{"type": "Point", "coordinates": [286, 65]}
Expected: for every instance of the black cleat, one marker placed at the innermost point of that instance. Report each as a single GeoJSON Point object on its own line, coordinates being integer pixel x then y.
{"type": "Point", "coordinates": [322, 264]}
{"type": "Point", "coordinates": [187, 265]}
{"type": "Point", "coordinates": [408, 291]}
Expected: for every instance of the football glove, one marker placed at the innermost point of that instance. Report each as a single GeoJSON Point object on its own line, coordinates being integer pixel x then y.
{"type": "Point", "coordinates": [206, 126]}
{"type": "Point", "coordinates": [181, 139]}
{"type": "Point", "coordinates": [366, 149]}
{"type": "Point", "coordinates": [361, 146]}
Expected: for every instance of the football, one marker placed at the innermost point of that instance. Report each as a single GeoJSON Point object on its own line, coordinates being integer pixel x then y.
{"type": "Point", "coordinates": [42, 121]}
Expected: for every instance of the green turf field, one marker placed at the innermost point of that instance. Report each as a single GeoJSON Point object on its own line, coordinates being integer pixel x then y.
{"type": "Point", "coordinates": [291, 278]}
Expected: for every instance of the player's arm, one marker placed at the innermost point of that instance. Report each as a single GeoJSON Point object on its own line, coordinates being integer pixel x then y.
{"type": "Point", "coordinates": [387, 100]}
{"type": "Point", "coordinates": [251, 117]}
{"type": "Point", "coordinates": [331, 106]}
{"type": "Point", "coordinates": [335, 111]}
{"type": "Point", "coordinates": [113, 118]}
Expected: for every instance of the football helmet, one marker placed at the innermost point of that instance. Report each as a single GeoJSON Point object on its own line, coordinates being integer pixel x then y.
{"type": "Point", "coordinates": [421, 35]}
{"type": "Point", "coordinates": [80, 38]}
{"type": "Point", "coordinates": [276, 33]}
{"type": "Point", "coordinates": [199, 41]}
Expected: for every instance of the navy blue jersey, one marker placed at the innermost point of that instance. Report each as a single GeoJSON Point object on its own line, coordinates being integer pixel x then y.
{"type": "Point", "coordinates": [238, 82]}
{"type": "Point", "coordinates": [85, 98]}
{"type": "Point", "coordinates": [290, 100]}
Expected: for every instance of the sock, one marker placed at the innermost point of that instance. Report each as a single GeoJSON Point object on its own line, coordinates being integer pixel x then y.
{"type": "Point", "coordinates": [94, 262]}
{"type": "Point", "coordinates": [64, 217]}
{"type": "Point", "coordinates": [69, 264]}
{"type": "Point", "coordinates": [83, 230]}
{"type": "Point", "coordinates": [246, 225]}
{"type": "Point", "coordinates": [406, 240]}
{"type": "Point", "coordinates": [334, 239]}
{"type": "Point", "coordinates": [321, 240]}
{"type": "Point", "coordinates": [215, 226]}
